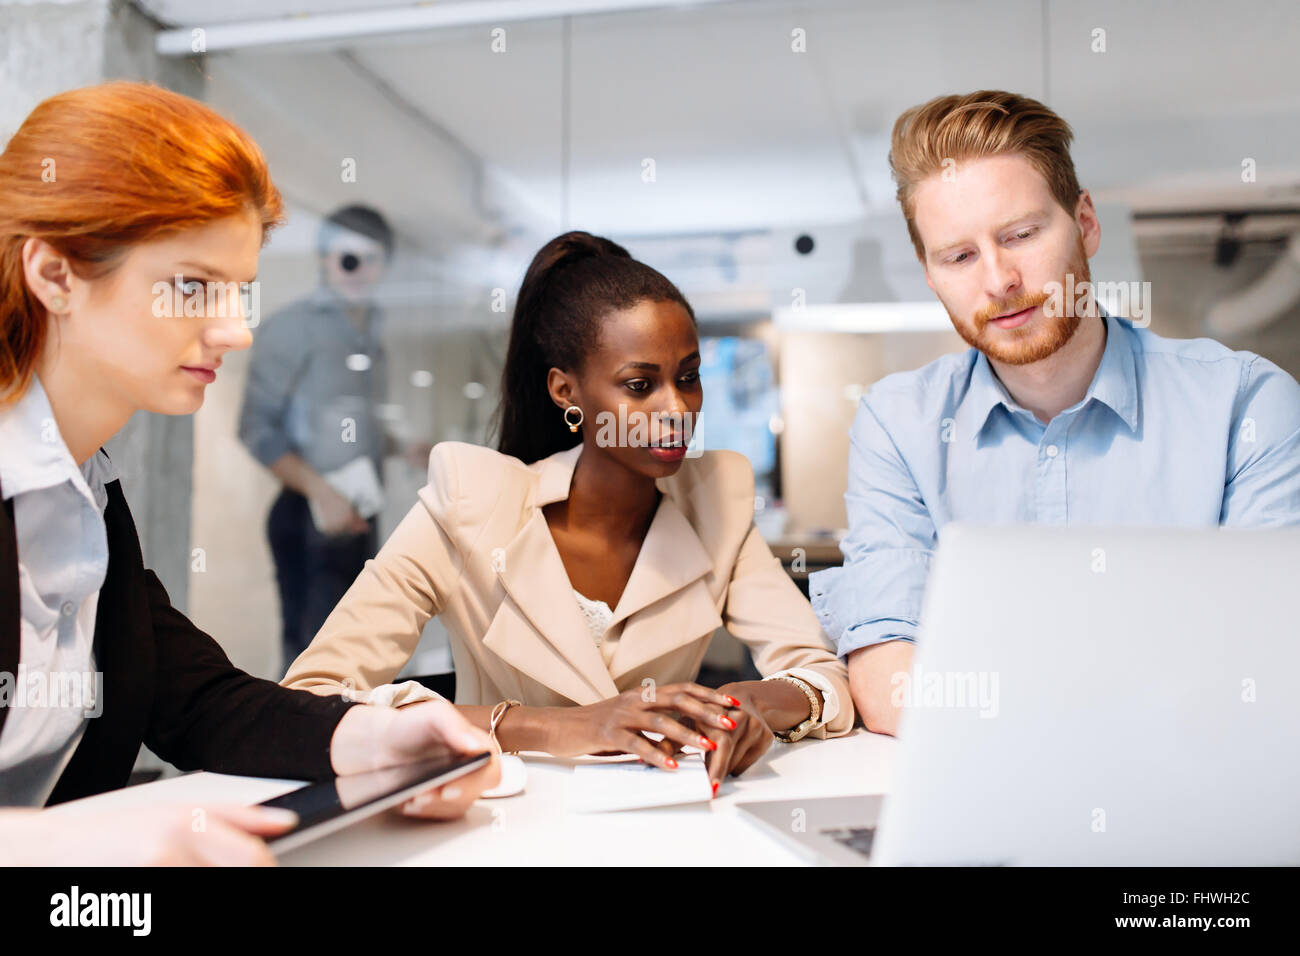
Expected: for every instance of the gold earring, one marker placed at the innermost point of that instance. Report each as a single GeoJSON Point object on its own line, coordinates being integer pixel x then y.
{"type": "Point", "coordinates": [59, 303]}
{"type": "Point", "coordinates": [573, 426]}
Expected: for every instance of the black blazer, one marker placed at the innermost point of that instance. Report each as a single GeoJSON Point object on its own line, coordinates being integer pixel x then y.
{"type": "Point", "coordinates": [169, 685]}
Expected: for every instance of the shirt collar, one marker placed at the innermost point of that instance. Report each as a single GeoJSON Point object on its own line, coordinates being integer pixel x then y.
{"type": "Point", "coordinates": [33, 454]}
{"type": "Point", "coordinates": [1114, 384]}
{"type": "Point", "coordinates": [983, 394]}
{"type": "Point", "coordinates": [556, 475]}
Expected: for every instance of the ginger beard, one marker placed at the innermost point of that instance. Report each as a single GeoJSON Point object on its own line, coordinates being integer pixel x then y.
{"type": "Point", "coordinates": [1041, 336]}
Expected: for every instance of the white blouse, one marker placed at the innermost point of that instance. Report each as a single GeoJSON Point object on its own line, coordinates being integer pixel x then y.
{"type": "Point", "coordinates": [598, 615]}
{"type": "Point", "coordinates": [62, 562]}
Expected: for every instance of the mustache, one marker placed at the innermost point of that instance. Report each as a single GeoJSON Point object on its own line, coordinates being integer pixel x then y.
{"type": "Point", "coordinates": [1026, 300]}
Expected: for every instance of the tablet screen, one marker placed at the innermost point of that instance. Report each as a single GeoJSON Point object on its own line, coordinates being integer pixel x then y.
{"type": "Point", "coordinates": [332, 804]}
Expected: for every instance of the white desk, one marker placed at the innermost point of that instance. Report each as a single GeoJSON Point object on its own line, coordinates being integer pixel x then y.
{"type": "Point", "coordinates": [536, 826]}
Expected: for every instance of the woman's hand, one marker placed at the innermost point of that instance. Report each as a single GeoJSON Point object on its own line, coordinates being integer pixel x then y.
{"type": "Point", "coordinates": [370, 737]}
{"type": "Point", "coordinates": [619, 724]}
{"type": "Point", "coordinates": [740, 748]}
{"type": "Point", "coordinates": [757, 708]}
{"type": "Point", "coordinates": [216, 835]}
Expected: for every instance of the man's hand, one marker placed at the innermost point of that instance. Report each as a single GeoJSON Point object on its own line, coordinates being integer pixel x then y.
{"type": "Point", "coordinates": [370, 738]}
{"type": "Point", "coordinates": [872, 680]}
{"type": "Point", "coordinates": [338, 517]}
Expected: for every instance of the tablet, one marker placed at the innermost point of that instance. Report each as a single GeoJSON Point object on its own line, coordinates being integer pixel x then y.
{"type": "Point", "coordinates": [333, 804]}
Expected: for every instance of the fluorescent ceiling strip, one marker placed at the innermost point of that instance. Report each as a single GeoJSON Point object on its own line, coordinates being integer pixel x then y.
{"type": "Point", "coordinates": [356, 24]}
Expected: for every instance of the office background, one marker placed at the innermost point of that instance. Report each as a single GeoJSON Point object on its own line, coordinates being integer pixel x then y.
{"type": "Point", "coordinates": [738, 146]}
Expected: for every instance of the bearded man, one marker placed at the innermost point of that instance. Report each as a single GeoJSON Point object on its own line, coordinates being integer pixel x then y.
{"type": "Point", "coordinates": [1058, 414]}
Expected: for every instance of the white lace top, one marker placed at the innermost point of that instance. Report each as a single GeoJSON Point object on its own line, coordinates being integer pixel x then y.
{"type": "Point", "coordinates": [597, 613]}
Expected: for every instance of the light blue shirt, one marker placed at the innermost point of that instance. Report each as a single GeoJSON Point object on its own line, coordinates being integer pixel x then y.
{"type": "Point", "coordinates": [1170, 432]}
{"type": "Point", "coordinates": [62, 561]}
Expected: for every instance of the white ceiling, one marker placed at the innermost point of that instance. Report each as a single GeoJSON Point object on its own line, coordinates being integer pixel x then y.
{"type": "Point", "coordinates": [463, 142]}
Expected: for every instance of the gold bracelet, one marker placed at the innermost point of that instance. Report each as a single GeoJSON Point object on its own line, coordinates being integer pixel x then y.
{"type": "Point", "coordinates": [802, 729]}
{"type": "Point", "coordinates": [499, 713]}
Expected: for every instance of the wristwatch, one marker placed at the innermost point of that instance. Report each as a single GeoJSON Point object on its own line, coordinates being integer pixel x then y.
{"type": "Point", "coordinates": [800, 731]}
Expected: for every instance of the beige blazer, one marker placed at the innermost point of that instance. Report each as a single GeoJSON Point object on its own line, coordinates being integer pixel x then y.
{"type": "Point", "coordinates": [476, 550]}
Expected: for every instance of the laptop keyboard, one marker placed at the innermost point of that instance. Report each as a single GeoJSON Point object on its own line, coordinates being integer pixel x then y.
{"type": "Point", "coordinates": [857, 839]}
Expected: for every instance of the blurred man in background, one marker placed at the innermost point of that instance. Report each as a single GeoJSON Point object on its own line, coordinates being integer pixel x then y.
{"type": "Point", "coordinates": [310, 415]}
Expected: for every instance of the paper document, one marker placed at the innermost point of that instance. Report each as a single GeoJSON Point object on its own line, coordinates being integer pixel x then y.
{"type": "Point", "coordinates": [357, 481]}
{"type": "Point", "coordinates": [629, 785]}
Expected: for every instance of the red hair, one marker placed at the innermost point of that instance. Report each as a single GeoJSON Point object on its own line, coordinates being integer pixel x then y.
{"type": "Point", "coordinates": [96, 170]}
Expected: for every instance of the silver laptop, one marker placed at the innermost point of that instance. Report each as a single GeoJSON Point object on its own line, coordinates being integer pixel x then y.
{"type": "Point", "coordinates": [1090, 697]}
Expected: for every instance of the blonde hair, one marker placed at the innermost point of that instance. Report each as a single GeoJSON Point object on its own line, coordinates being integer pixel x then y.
{"type": "Point", "coordinates": [948, 129]}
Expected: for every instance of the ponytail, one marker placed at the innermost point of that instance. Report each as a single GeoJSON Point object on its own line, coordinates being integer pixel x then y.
{"type": "Point", "coordinates": [572, 285]}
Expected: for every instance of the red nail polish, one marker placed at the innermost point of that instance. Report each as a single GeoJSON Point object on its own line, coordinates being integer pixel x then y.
{"type": "Point", "coordinates": [671, 764]}
{"type": "Point", "coordinates": [732, 701]}
{"type": "Point", "coordinates": [707, 743]}
{"type": "Point", "coordinates": [715, 788]}
{"type": "Point", "coordinates": [727, 722]}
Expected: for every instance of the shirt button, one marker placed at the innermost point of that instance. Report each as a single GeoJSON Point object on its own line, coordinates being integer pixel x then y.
{"type": "Point", "coordinates": [1052, 451]}
{"type": "Point", "coordinates": [68, 609]}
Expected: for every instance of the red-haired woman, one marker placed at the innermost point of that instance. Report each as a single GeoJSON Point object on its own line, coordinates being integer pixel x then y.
{"type": "Point", "coordinates": [108, 194]}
